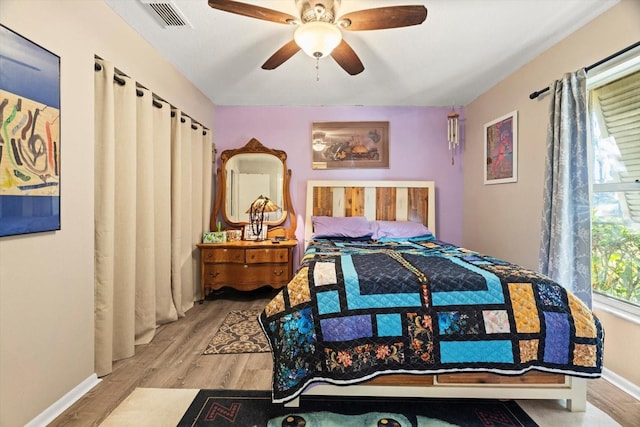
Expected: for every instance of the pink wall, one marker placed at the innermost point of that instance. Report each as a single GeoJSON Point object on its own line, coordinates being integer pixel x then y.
{"type": "Point", "coordinates": [418, 150]}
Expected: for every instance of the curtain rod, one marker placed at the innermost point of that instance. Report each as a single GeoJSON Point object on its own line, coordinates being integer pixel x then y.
{"type": "Point", "coordinates": [537, 93]}
{"type": "Point", "coordinates": [122, 82]}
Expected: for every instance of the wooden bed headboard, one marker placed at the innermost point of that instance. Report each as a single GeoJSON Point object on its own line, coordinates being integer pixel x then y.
{"type": "Point", "coordinates": [376, 200]}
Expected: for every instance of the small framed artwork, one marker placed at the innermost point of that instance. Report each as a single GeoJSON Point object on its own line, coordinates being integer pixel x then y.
{"type": "Point", "coordinates": [501, 149]}
{"type": "Point", "coordinates": [249, 233]}
{"type": "Point", "coordinates": [350, 145]}
{"type": "Point", "coordinates": [30, 142]}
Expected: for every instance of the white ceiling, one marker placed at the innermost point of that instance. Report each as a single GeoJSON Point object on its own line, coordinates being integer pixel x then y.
{"type": "Point", "coordinates": [462, 49]}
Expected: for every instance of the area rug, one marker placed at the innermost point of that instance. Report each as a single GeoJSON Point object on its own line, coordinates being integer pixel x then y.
{"type": "Point", "coordinates": [240, 332]}
{"type": "Point", "coordinates": [153, 407]}
{"type": "Point", "coordinates": [254, 408]}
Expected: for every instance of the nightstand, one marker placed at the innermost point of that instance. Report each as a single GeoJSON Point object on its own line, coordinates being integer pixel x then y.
{"type": "Point", "coordinates": [245, 265]}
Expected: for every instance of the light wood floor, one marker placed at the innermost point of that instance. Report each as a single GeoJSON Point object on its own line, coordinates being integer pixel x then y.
{"type": "Point", "coordinates": [174, 359]}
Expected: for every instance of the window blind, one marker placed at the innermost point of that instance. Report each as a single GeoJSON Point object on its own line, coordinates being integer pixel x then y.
{"type": "Point", "coordinates": [617, 107]}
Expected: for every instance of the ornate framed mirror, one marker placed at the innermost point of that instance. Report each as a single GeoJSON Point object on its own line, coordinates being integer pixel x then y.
{"type": "Point", "coordinates": [244, 175]}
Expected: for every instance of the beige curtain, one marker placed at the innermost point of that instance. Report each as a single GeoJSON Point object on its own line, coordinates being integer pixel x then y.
{"type": "Point", "coordinates": [145, 224]}
{"type": "Point", "coordinates": [191, 206]}
{"type": "Point", "coordinates": [165, 308]}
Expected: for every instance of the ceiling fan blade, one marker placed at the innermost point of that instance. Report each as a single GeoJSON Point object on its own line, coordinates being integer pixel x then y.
{"type": "Point", "coordinates": [281, 55]}
{"type": "Point", "coordinates": [346, 57]}
{"type": "Point", "coordinates": [253, 11]}
{"type": "Point", "coordinates": [383, 17]}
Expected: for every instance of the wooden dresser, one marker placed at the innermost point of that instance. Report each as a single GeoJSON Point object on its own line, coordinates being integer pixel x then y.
{"type": "Point", "coordinates": [245, 265]}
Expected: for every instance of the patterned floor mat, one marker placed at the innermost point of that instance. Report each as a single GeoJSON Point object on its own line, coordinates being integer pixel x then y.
{"type": "Point", "coordinates": [240, 332]}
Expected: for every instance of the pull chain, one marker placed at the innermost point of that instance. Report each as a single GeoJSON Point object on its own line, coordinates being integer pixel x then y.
{"type": "Point", "coordinates": [317, 68]}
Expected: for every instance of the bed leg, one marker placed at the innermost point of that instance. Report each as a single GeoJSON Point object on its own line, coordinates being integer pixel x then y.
{"type": "Point", "coordinates": [295, 403]}
{"type": "Point", "coordinates": [578, 403]}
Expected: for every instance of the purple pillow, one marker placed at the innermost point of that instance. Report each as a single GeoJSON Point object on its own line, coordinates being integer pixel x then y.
{"type": "Point", "coordinates": [348, 226]}
{"type": "Point", "coordinates": [398, 229]}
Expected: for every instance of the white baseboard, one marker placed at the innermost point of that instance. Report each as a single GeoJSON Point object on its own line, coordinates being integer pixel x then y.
{"type": "Point", "coordinates": [64, 402]}
{"type": "Point", "coordinates": [622, 383]}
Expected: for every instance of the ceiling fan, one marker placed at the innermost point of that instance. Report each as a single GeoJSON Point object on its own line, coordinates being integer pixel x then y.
{"type": "Point", "coordinates": [319, 31]}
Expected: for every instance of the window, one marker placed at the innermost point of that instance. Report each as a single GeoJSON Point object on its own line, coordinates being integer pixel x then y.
{"type": "Point", "coordinates": [614, 108]}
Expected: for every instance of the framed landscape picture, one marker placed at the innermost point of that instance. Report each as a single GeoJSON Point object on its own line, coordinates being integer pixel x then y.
{"type": "Point", "coordinates": [501, 149]}
{"type": "Point", "coordinates": [350, 145]}
{"type": "Point", "coordinates": [30, 136]}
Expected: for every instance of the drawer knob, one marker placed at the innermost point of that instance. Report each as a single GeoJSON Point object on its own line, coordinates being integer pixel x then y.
{"type": "Point", "coordinates": [278, 273]}
{"type": "Point", "coordinates": [214, 274]}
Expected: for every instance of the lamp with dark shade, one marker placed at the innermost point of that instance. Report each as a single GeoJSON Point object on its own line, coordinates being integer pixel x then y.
{"type": "Point", "coordinates": [256, 214]}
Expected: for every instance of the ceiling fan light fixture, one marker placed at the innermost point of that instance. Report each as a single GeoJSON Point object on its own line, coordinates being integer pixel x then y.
{"type": "Point", "coordinates": [317, 39]}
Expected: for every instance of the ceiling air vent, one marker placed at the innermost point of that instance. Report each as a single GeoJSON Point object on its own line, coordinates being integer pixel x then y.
{"type": "Point", "coordinates": [166, 13]}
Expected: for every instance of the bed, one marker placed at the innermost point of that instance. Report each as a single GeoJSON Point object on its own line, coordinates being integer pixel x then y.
{"type": "Point", "coordinates": [380, 307]}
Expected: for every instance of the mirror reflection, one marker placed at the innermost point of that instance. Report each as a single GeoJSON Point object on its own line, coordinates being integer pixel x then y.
{"type": "Point", "coordinates": [249, 176]}
{"type": "Point", "coordinates": [245, 174]}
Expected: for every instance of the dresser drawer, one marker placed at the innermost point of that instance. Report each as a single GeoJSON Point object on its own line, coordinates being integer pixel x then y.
{"type": "Point", "coordinates": [245, 265]}
{"type": "Point", "coordinates": [242, 274]}
{"type": "Point", "coordinates": [222, 255]}
{"type": "Point", "coordinates": [215, 274]}
{"type": "Point", "coordinates": [257, 256]}
{"type": "Point", "coordinates": [270, 274]}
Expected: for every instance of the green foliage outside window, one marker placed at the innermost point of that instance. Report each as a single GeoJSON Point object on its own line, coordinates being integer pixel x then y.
{"type": "Point", "coordinates": [615, 261]}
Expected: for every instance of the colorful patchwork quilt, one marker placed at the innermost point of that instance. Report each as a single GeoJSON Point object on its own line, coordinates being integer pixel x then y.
{"type": "Point", "coordinates": [357, 309]}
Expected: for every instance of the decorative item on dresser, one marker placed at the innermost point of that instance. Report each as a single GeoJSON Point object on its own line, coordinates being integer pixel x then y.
{"type": "Point", "coordinates": [256, 212]}
{"type": "Point", "coordinates": [255, 176]}
{"type": "Point", "coordinates": [246, 265]}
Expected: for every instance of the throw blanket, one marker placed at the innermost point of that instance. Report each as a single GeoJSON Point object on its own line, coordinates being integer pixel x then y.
{"type": "Point", "coordinates": [356, 309]}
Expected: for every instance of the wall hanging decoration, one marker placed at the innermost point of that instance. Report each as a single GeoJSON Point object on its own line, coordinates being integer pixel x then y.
{"type": "Point", "coordinates": [29, 136]}
{"type": "Point", "coordinates": [501, 149]}
{"type": "Point", "coordinates": [453, 132]}
{"type": "Point", "coordinates": [350, 145]}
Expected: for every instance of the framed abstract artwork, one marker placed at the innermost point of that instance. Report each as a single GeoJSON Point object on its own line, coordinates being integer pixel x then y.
{"type": "Point", "coordinates": [29, 136]}
{"type": "Point", "coordinates": [350, 145]}
{"type": "Point", "coordinates": [501, 149]}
